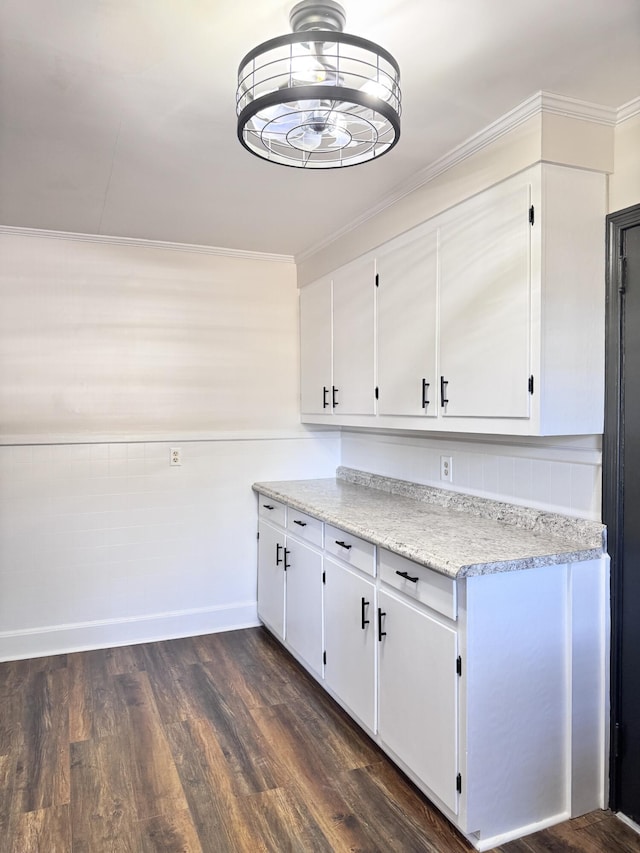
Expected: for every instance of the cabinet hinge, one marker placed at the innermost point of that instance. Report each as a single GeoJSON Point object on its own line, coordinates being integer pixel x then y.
{"type": "Point", "coordinates": [532, 215]}
{"type": "Point", "coordinates": [324, 577]}
{"type": "Point", "coordinates": [459, 783]}
{"type": "Point", "coordinates": [377, 391]}
{"type": "Point", "coordinates": [531, 384]}
{"type": "Point", "coordinates": [618, 740]}
{"type": "Point", "coordinates": [324, 658]}
{"type": "Point", "coordinates": [377, 280]}
{"type": "Point", "coordinates": [459, 665]}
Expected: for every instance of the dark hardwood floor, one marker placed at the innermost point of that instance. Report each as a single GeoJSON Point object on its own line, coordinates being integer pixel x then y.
{"type": "Point", "coordinates": [216, 744]}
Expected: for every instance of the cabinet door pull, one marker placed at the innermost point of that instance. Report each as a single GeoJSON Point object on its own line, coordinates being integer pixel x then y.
{"type": "Point", "coordinates": [334, 394]}
{"type": "Point", "coordinates": [381, 633]}
{"type": "Point", "coordinates": [407, 576]}
{"type": "Point", "coordinates": [443, 391]}
{"type": "Point", "coordinates": [363, 613]}
{"type": "Point", "coordinates": [325, 391]}
{"type": "Point", "coordinates": [278, 557]}
{"type": "Point", "coordinates": [286, 554]}
{"type": "Point", "coordinates": [268, 506]}
{"type": "Point", "coordinates": [425, 391]}
{"type": "Point", "coordinates": [301, 523]}
{"type": "Point", "coordinates": [343, 544]}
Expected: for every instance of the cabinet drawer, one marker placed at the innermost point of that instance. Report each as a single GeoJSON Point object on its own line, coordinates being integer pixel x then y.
{"type": "Point", "coordinates": [431, 588]}
{"type": "Point", "coordinates": [275, 511]}
{"type": "Point", "coordinates": [350, 549]}
{"type": "Point", "coordinates": [304, 526]}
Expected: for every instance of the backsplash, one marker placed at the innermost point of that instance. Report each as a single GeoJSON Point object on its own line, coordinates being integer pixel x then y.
{"type": "Point", "coordinates": [557, 474]}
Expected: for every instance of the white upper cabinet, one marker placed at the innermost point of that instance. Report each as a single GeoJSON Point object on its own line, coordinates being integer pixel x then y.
{"type": "Point", "coordinates": [493, 312]}
{"type": "Point", "coordinates": [353, 338]}
{"type": "Point", "coordinates": [315, 348]}
{"type": "Point", "coordinates": [407, 271]}
{"type": "Point", "coordinates": [485, 306]}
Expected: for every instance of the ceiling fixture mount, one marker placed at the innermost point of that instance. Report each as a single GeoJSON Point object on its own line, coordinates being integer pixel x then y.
{"type": "Point", "coordinates": [318, 98]}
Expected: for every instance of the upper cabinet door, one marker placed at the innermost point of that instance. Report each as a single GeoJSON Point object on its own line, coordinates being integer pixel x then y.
{"type": "Point", "coordinates": [407, 292]}
{"type": "Point", "coordinates": [315, 348]}
{"type": "Point", "coordinates": [485, 305]}
{"type": "Point", "coordinates": [353, 338]}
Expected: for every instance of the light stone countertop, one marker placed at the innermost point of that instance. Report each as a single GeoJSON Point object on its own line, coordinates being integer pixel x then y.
{"type": "Point", "coordinates": [454, 534]}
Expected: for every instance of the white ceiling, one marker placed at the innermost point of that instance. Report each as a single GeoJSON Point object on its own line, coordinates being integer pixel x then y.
{"type": "Point", "coordinates": [118, 116]}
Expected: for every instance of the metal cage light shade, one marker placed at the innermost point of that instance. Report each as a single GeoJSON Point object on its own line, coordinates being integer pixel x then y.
{"type": "Point", "coordinates": [318, 98]}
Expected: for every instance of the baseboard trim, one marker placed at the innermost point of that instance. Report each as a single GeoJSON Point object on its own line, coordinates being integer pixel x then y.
{"type": "Point", "coordinates": [83, 636]}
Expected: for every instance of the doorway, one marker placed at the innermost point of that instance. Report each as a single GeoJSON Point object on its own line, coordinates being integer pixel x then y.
{"type": "Point", "coordinates": [621, 502]}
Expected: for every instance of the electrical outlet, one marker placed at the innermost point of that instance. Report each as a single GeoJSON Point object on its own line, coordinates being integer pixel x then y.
{"type": "Point", "coordinates": [446, 468]}
{"type": "Point", "coordinates": [176, 456]}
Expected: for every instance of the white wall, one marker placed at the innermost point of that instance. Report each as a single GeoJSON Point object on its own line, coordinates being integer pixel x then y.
{"type": "Point", "coordinates": [110, 354]}
{"type": "Point", "coordinates": [113, 338]}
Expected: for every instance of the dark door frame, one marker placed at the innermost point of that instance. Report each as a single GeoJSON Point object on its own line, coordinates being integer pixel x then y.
{"type": "Point", "coordinates": [613, 457]}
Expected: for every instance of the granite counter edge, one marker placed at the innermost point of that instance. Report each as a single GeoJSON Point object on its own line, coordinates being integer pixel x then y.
{"type": "Point", "coordinates": [418, 556]}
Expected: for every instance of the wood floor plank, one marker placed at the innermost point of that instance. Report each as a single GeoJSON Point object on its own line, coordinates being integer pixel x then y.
{"type": "Point", "coordinates": [156, 785]}
{"type": "Point", "coordinates": [612, 834]}
{"type": "Point", "coordinates": [169, 682]}
{"type": "Point", "coordinates": [49, 663]}
{"type": "Point", "coordinates": [170, 834]}
{"type": "Point", "coordinates": [215, 744]}
{"type": "Point", "coordinates": [280, 821]}
{"type": "Point", "coordinates": [103, 816]}
{"type": "Point", "coordinates": [7, 785]}
{"type": "Point", "coordinates": [311, 766]}
{"type": "Point", "coordinates": [254, 668]}
{"type": "Point", "coordinates": [80, 699]}
{"type": "Point", "coordinates": [42, 830]}
{"type": "Point", "coordinates": [14, 677]}
{"type": "Point", "coordinates": [105, 704]}
{"type": "Point", "coordinates": [42, 771]}
{"type": "Point", "coordinates": [208, 787]}
{"type": "Point", "coordinates": [397, 816]}
{"type": "Point", "coordinates": [123, 659]}
{"type": "Point", "coordinates": [311, 745]}
{"type": "Point", "coordinates": [249, 761]}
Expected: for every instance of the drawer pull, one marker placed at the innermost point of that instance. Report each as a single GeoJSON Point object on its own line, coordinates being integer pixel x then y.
{"type": "Point", "coordinates": [268, 506]}
{"type": "Point", "coordinates": [363, 612]}
{"type": "Point", "coordinates": [325, 391]}
{"type": "Point", "coordinates": [301, 523]}
{"type": "Point", "coordinates": [381, 633]}
{"type": "Point", "coordinates": [343, 544]}
{"type": "Point", "coordinates": [407, 576]}
{"type": "Point", "coordinates": [278, 557]}
{"type": "Point", "coordinates": [334, 395]}
{"type": "Point", "coordinates": [286, 554]}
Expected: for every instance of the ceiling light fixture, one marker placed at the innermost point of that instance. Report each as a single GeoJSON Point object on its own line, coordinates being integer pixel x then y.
{"type": "Point", "coordinates": [318, 98]}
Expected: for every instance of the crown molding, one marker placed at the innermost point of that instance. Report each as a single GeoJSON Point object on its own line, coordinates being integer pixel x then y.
{"type": "Point", "coordinates": [145, 244]}
{"type": "Point", "coordinates": [535, 105]}
{"type": "Point", "coordinates": [629, 110]}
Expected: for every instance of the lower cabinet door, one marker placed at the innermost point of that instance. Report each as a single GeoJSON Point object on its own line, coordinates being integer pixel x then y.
{"type": "Point", "coordinates": [271, 578]}
{"type": "Point", "coordinates": [349, 606]}
{"type": "Point", "coordinates": [304, 602]}
{"type": "Point", "coordinates": [418, 694]}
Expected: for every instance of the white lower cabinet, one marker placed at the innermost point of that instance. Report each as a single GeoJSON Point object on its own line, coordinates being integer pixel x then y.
{"type": "Point", "coordinates": [349, 626]}
{"type": "Point", "coordinates": [418, 694]}
{"type": "Point", "coordinates": [490, 692]}
{"type": "Point", "coordinates": [271, 578]}
{"type": "Point", "coordinates": [303, 602]}
{"type": "Point", "coordinates": [290, 579]}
